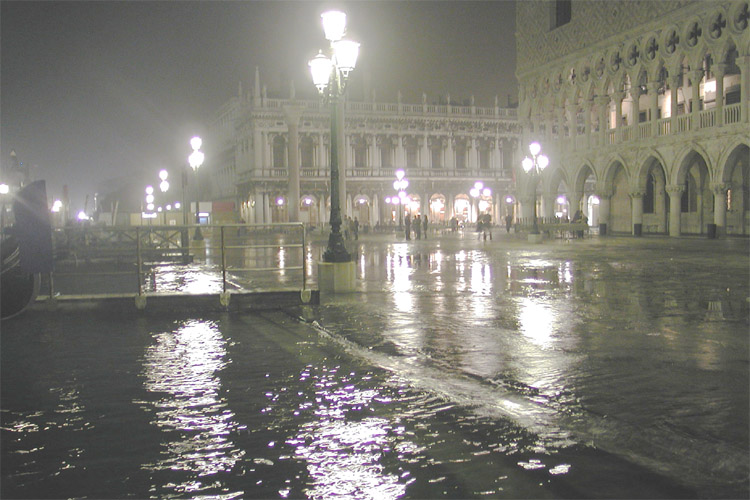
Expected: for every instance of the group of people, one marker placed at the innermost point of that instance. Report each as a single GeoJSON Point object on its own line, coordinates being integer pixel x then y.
{"type": "Point", "coordinates": [418, 224]}
{"type": "Point", "coordinates": [350, 227]}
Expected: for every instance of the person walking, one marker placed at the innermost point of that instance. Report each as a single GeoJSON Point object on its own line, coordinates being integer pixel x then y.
{"type": "Point", "coordinates": [355, 228]}
{"type": "Point", "coordinates": [508, 222]}
{"type": "Point", "coordinates": [417, 227]}
{"type": "Point", "coordinates": [424, 225]}
{"type": "Point", "coordinates": [407, 226]}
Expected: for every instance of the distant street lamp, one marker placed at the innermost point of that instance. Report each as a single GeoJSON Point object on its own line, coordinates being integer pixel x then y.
{"type": "Point", "coordinates": [534, 167]}
{"type": "Point", "coordinates": [330, 76]}
{"type": "Point", "coordinates": [400, 185]}
{"type": "Point", "coordinates": [196, 160]}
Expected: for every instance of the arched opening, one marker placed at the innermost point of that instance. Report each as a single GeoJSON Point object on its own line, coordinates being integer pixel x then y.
{"type": "Point", "coordinates": [437, 208]}
{"type": "Point", "coordinates": [279, 212]}
{"type": "Point", "coordinates": [620, 211]}
{"type": "Point", "coordinates": [696, 203]}
{"type": "Point", "coordinates": [653, 186]}
{"type": "Point", "coordinates": [308, 210]}
{"type": "Point", "coordinates": [737, 171]}
{"type": "Point", "coordinates": [361, 211]}
{"type": "Point", "coordinates": [462, 208]}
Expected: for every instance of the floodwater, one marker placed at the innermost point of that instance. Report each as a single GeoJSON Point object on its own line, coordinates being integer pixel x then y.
{"type": "Point", "coordinates": [613, 368]}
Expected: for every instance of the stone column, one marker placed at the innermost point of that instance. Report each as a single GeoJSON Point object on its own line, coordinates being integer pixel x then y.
{"type": "Point", "coordinates": [372, 149]}
{"type": "Point", "coordinates": [292, 115]}
{"type": "Point", "coordinates": [400, 152]}
{"type": "Point", "coordinates": [675, 205]}
{"type": "Point", "coordinates": [527, 209]}
{"type": "Point", "coordinates": [450, 157]}
{"type": "Point", "coordinates": [587, 121]}
{"type": "Point", "coordinates": [425, 160]}
{"type": "Point", "coordinates": [719, 103]}
{"type": "Point", "coordinates": [574, 201]}
{"type": "Point", "coordinates": [603, 103]}
{"type": "Point", "coordinates": [674, 83]}
{"type": "Point", "coordinates": [720, 206]}
{"type": "Point", "coordinates": [635, 109]}
{"type": "Point", "coordinates": [695, 80]}
{"type": "Point", "coordinates": [266, 208]}
{"type": "Point", "coordinates": [653, 107]}
{"type": "Point", "coordinates": [604, 203]}
{"type": "Point", "coordinates": [618, 97]}
{"type": "Point", "coordinates": [548, 205]}
{"type": "Point", "coordinates": [258, 148]}
{"type": "Point", "coordinates": [322, 156]}
{"type": "Point", "coordinates": [636, 202]}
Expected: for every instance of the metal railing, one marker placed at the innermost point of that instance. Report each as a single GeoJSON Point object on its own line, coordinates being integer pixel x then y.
{"type": "Point", "coordinates": [106, 260]}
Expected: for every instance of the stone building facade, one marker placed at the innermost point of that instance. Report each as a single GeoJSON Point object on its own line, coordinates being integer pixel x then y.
{"type": "Point", "coordinates": [271, 157]}
{"type": "Point", "coordinates": [643, 109]}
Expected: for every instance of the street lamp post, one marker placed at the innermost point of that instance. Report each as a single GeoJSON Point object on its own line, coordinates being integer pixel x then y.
{"type": "Point", "coordinates": [196, 160]}
{"type": "Point", "coordinates": [330, 76]}
{"type": "Point", "coordinates": [164, 186]}
{"type": "Point", "coordinates": [400, 185]}
{"type": "Point", "coordinates": [534, 167]}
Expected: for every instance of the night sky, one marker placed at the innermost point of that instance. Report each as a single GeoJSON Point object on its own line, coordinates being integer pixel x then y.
{"type": "Point", "coordinates": [96, 94]}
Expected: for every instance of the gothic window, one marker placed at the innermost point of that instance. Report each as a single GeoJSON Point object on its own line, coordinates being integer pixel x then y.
{"type": "Point", "coordinates": [412, 155]}
{"type": "Point", "coordinates": [648, 198]}
{"type": "Point", "coordinates": [360, 155]}
{"type": "Point", "coordinates": [460, 155]}
{"type": "Point", "coordinates": [386, 153]}
{"type": "Point", "coordinates": [437, 156]}
{"type": "Point", "coordinates": [307, 152]}
{"type": "Point", "coordinates": [484, 157]}
{"type": "Point", "coordinates": [279, 152]}
{"type": "Point", "coordinates": [689, 201]}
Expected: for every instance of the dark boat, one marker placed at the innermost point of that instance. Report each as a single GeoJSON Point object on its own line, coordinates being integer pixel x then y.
{"type": "Point", "coordinates": [26, 250]}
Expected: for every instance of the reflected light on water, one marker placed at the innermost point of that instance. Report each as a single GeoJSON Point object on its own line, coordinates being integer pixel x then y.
{"type": "Point", "coordinates": [343, 455]}
{"type": "Point", "coordinates": [192, 279]}
{"type": "Point", "coordinates": [536, 321]}
{"type": "Point", "coordinates": [183, 367]}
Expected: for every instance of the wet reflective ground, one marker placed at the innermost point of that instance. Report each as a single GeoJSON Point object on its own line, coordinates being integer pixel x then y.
{"type": "Point", "coordinates": [610, 368]}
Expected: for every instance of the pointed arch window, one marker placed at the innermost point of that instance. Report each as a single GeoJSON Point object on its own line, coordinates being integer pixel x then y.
{"type": "Point", "coordinates": [279, 152]}
{"type": "Point", "coordinates": [648, 198]}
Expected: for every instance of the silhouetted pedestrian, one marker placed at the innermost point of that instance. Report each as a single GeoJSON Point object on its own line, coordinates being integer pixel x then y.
{"type": "Point", "coordinates": [424, 225]}
{"type": "Point", "coordinates": [407, 226]}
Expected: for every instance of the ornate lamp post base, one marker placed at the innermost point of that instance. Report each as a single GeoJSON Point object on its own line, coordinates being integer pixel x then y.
{"type": "Point", "coordinates": [336, 250]}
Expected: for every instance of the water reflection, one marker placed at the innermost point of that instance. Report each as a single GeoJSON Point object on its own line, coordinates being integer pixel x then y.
{"type": "Point", "coordinates": [536, 322]}
{"type": "Point", "coordinates": [193, 279]}
{"type": "Point", "coordinates": [183, 367]}
{"type": "Point", "coordinates": [344, 444]}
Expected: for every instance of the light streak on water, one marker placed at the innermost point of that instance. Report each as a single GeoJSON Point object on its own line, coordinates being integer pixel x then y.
{"type": "Point", "coordinates": [183, 367]}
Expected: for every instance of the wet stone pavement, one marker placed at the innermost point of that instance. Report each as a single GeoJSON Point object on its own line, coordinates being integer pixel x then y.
{"type": "Point", "coordinates": [605, 367]}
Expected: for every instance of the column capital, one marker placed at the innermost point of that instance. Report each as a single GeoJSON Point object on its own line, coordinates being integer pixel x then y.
{"type": "Point", "coordinates": [695, 76]}
{"type": "Point", "coordinates": [675, 189]}
{"type": "Point", "coordinates": [292, 114]}
{"type": "Point", "coordinates": [636, 194]}
{"type": "Point", "coordinates": [721, 188]}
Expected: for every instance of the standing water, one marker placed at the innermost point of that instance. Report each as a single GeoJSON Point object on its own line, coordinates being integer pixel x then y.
{"type": "Point", "coordinates": [459, 368]}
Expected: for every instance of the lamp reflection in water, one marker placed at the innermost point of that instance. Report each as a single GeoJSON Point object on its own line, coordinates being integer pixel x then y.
{"type": "Point", "coordinates": [343, 455]}
{"type": "Point", "coordinates": [183, 367]}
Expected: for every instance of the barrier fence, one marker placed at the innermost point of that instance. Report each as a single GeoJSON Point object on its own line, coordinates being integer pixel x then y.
{"type": "Point", "coordinates": [106, 260]}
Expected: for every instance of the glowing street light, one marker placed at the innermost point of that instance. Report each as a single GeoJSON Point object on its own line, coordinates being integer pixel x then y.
{"type": "Point", "coordinates": [195, 160]}
{"type": "Point", "coordinates": [534, 167]}
{"type": "Point", "coordinates": [330, 75]}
